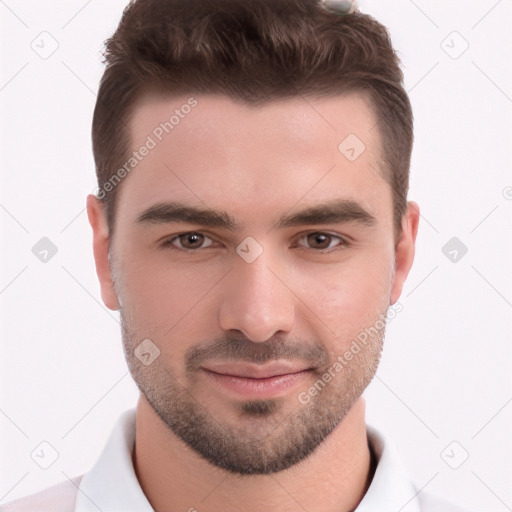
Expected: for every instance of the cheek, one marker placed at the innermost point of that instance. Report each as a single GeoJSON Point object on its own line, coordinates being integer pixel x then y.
{"type": "Point", "coordinates": [159, 305]}
{"type": "Point", "coordinates": [350, 297]}
{"type": "Point", "coordinates": [157, 295]}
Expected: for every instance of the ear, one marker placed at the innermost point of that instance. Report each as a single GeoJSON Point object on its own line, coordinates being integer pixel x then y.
{"type": "Point", "coordinates": [404, 249]}
{"type": "Point", "coordinates": [101, 245]}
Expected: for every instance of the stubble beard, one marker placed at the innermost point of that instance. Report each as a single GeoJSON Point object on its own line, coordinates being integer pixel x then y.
{"type": "Point", "coordinates": [270, 435]}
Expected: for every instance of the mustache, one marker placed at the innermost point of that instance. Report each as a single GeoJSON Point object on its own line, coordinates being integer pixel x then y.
{"type": "Point", "coordinates": [242, 349]}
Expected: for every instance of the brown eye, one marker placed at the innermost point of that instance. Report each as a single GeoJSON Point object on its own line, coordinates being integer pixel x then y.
{"type": "Point", "coordinates": [319, 240]}
{"type": "Point", "coordinates": [191, 241]}
{"type": "Point", "coordinates": [323, 241]}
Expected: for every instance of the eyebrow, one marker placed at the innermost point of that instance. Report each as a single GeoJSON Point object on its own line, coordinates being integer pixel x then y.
{"type": "Point", "coordinates": [336, 211]}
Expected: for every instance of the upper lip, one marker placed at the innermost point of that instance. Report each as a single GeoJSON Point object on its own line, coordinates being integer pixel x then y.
{"type": "Point", "coordinates": [255, 371]}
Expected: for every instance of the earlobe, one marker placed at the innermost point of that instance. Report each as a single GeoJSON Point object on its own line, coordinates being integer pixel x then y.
{"type": "Point", "coordinates": [405, 249]}
{"type": "Point", "coordinates": [101, 246]}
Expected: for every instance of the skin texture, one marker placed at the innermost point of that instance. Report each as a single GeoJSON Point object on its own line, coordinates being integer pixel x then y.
{"type": "Point", "coordinates": [198, 443]}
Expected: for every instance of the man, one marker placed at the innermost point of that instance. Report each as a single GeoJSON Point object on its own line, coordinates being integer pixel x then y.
{"type": "Point", "coordinates": [252, 228]}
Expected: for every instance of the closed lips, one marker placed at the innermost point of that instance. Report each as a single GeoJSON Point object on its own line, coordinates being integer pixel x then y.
{"type": "Point", "coordinates": [253, 371]}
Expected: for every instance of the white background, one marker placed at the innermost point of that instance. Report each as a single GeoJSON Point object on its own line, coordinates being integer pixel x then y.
{"type": "Point", "coordinates": [446, 371]}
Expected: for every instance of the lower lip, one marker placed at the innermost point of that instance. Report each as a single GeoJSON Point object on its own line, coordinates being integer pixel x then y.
{"type": "Point", "coordinates": [258, 388]}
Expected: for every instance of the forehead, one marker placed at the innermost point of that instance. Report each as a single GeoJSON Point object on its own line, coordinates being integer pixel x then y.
{"type": "Point", "coordinates": [304, 120]}
{"type": "Point", "coordinates": [207, 148]}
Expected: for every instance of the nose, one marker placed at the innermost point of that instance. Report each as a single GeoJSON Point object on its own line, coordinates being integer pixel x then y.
{"type": "Point", "coordinates": [256, 300]}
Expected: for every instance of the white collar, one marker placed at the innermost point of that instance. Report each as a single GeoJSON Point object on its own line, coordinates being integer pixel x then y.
{"type": "Point", "coordinates": [112, 486]}
{"type": "Point", "coordinates": [391, 488]}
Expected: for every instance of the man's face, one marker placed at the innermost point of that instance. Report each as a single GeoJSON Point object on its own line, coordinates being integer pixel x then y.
{"type": "Point", "coordinates": [250, 306]}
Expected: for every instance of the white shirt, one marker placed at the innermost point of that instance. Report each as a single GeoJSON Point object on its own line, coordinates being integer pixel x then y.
{"type": "Point", "coordinates": [112, 486]}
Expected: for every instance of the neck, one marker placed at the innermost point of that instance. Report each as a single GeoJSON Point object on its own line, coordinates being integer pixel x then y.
{"type": "Point", "coordinates": [175, 477]}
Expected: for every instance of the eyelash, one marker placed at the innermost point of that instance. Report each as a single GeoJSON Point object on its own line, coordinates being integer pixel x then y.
{"type": "Point", "coordinates": [344, 243]}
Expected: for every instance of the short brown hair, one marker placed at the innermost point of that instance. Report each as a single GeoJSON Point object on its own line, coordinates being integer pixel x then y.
{"type": "Point", "coordinates": [255, 51]}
